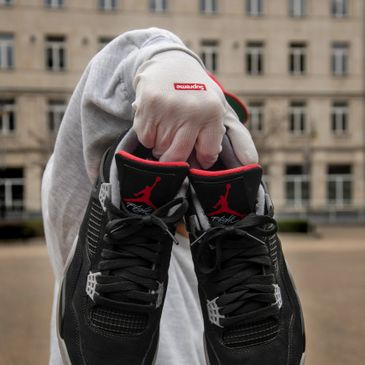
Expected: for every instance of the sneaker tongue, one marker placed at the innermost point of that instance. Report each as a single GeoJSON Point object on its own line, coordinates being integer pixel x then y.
{"type": "Point", "coordinates": [229, 195]}
{"type": "Point", "coordinates": [147, 185]}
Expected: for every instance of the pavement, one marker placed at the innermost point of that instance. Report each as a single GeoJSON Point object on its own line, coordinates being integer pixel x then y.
{"type": "Point", "coordinates": [329, 270]}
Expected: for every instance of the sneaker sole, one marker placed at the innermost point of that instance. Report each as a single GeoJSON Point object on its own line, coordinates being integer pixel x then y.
{"type": "Point", "coordinates": [61, 343]}
{"type": "Point", "coordinates": [302, 360]}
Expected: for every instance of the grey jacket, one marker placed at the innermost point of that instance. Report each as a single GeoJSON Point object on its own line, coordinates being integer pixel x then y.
{"type": "Point", "coordinates": [99, 110]}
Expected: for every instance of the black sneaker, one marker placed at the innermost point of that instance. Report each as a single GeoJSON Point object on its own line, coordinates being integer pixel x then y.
{"type": "Point", "coordinates": [251, 311]}
{"type": "Point", "coordinates": [116, 275]}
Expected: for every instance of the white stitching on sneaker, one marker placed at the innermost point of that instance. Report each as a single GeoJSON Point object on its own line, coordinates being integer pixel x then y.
{"type": "Point", "coordinates": [105, 192]}
{"type": "Point", "coordinates": [91, 284]}
{"type": "Point", "coordinates": [213, 312]}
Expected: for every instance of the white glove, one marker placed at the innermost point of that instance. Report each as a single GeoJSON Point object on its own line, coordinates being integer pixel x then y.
{"type": "Point", "coordinates": [172, 115]}
{"type": "Point", "coordinates": [240, 138]}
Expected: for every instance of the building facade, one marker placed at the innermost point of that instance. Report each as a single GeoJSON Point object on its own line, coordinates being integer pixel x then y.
{"type": "Point", "coordinates": [298, 64]}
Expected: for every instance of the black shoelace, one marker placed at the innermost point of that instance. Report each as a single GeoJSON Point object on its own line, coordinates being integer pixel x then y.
{"type": "Point", "coordinates": [237, 263]}
{"type": "Point", "coordinates": [130, 262]}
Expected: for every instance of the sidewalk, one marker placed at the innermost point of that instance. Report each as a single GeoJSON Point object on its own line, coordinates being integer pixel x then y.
{"type": "Point", "coordinates": [330, 277]}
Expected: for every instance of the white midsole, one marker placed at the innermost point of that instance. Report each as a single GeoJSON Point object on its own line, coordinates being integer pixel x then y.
{"type": "Point", "coordinates": [302, 361]}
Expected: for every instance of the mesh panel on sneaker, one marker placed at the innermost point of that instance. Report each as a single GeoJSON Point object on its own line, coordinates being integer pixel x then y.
{"type": "Point", "coordinates": [94, 226]}
{"type": "Point", "coordinates": [251, 334]}
{"type": "Point", "coordinates": [118, 322]}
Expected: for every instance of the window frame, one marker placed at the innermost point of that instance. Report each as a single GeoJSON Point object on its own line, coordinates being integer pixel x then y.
{"type": "Point", "coordinates": [339, 118]}
{"type": "Point", "coordinates": [297, 58]}
{"type": "Point", "coordinates": [54, 4]}
{"type": "Point", "coordinates": [6, 3]}
{"type": "Point", "coordinates": [209, 52]}
{"type": "Point", "coordinates": [8, 204]}
{"type": "Point", "coordinates": [158, 6]}
{"type": "Point", "coordinates": [339, 181]}
{"type": "Point", "coordinates": [298, 118]}
{"type": "Point", "coordinates": [7, 61]}
{"type": "Point", "coordinates": [257, 117]}
{"type": "Point", "coordinates": [300, 183]}
{"type": "Point", "coordinates": [55, 111]}
{"type": "Point", "coordinates": [297, 8]}
{"type": "Point", "coordinates": [255, 58]}
{"type": "Point", "coordinates": [107, 5]}
{"type": "Point", "coordinates": [57, 48]}
{"type": "Point", "coordinates": [208, 6]}
{"type": "Point", "coordinates": [340, 59]}
{"type": "Point", "coordinates": [254, 8]}
{"type": "Point", "coordinates": [337, 10]}
{"type": "Point", "coordinates": [7, 109]}
{"type": "Point", "coordinates": [104, 41]}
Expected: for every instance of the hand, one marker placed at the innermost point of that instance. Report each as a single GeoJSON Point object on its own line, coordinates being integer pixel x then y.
{"type": "Point", "coordinates": [240, 138]}
{"type": "Point", "coordinates": [172, 120]}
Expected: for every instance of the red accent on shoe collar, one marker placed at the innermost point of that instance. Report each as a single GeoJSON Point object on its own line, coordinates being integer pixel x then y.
{"type": "Point", "coordinates": [236, 170]}
{"type": "Point", "coordinates": [150, 162]}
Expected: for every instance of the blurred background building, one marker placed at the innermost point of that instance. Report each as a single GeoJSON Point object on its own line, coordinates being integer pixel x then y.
{"type": "Point", "coordinates": [298, 64]}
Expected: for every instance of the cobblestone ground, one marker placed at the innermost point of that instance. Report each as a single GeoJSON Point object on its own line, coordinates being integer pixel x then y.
{"type": "Point", "coordinates": [329, 273]}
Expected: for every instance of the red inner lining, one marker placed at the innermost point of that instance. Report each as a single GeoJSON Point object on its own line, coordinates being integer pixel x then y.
{"type": "Point", "coordinates": [236, 170]}
{"type": "Point", "coordinates": [129, 156]}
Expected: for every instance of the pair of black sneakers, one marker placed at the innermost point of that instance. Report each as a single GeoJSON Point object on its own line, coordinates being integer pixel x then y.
{"type": "Point", "coordinates": [116, 277]}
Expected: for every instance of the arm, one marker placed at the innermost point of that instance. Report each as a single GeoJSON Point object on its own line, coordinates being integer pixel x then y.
{"type": "Point", "coordinates": [99, 110]}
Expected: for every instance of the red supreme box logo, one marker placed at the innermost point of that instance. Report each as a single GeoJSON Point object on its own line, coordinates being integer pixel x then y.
{"type": "Point", "coordinates": [189, 86]}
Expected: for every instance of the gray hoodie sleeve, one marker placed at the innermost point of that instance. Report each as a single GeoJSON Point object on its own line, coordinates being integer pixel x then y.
{"type": "Point", "coordinates": [99, 110]}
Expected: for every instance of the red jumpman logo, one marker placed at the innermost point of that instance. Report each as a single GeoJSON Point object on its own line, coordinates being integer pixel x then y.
{"type": "Point", "coordinates": [222, 205]}
{"type": "Point", "coordinates": [144, 196]}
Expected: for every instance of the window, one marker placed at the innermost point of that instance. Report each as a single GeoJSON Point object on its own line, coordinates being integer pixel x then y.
{"type": "Point", "coordinates": [339, 118]}
{"type": "Point", "coordinates": [6, 51]}
{"type": "Point", "coordinates": [158, 6]}
{"type": "Point", "coordinates": [55, 53]}
{"type": "Point", "coordinates": [209, 55]}
{"type": "Point", "coordinates": [103, 41]}
{"type": "Point", "coordinates": [11, 190]}
{"type": "Point", "coordinates": [56, 110]}
{"type": "Point", "coordinates": [339, 8]}
{"type": "Point", "coordinates": [208, 6]}
{"type": "Point", "coordinates": [339, 61]}
{"type": "Point", "coordinates": [254, 58]}
{"type": "Point", "coordinates": [297, 58]}
{"type": "Point", "coordinates": [6, 2]}
{"type": "Point", "coordinates": [54, 3]}
{"type": "Point", "coordinates": [254, 7]}
{"type": "Point", "coordinates": [297, 118]}
{"type": "Point", "coordinates": [107, 4]}
{"type": "Point", "coordinates": [297, 8]}
{"type": "Point", "coordinates": [296, 186]}
{"type": "Point", "coordinates": [7, 116]}
{"type": "Point", "coordinates": [256, 124]}
{"type": "Point", "coordinates": [339, 185]}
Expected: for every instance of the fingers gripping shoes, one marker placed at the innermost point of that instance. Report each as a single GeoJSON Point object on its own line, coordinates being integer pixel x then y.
{"type": "Point", "coordinates": [116, 278]}
{"type": "Point", "coordinates": [251, 312]}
